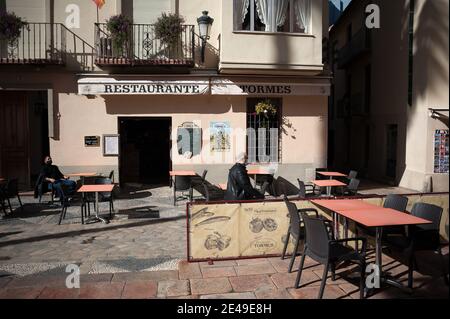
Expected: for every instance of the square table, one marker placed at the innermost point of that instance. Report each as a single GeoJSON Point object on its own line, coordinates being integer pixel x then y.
{"type": "Point", "coordinates": [258, 171]}
{"type": "Point", "coordinates": [97, 189]}
{"type": "Point", "coordinates": [328, 184]}
{"type": "Point", "coordinates": [335, 205]}
{"type": "Point", "coordinates": [331, 174]}
{"type": "Point", "coordinates": [223, 187]}
{"type": "Point", "coordinates": [376, 217]}
{"type": "Point", "coordinates": [82, 176]}
{"type": "Point", "coordinates": [182, 173]}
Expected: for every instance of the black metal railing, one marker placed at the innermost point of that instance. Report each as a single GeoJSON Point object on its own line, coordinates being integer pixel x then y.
{"type": "Point", "coordinates": [140, 46]}
{"type": "Point", "coordinates": [48, 43]}
{"type": "Point", "coordinates": [39, 43]}
{"type": "Point", "coordinates": [359, 44]}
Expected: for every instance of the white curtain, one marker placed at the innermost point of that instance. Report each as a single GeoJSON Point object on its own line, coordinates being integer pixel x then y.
{"type": "Point", "coordinates": [269, 10]}
{"type": "Point", "coordinates": [264, 12]}
{"type": "Point", "coordinates": [240, 11]}
{"type": "Point", "coordinates": [281, 7]}
{"type": "Point", "coordinates": [303, 14]}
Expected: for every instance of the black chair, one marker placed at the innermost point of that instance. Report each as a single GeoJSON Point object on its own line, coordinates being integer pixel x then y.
{"type": "Point", "coordinates": [10, 191]}
{"type": "Point", "coordinates": [182, 184]}
{"type": "Point", "coordinates": [296, 229]}
{"type": "Point", "coordinates": [3, 199]}
{"type": "Point", "coordinates": [392, 201]}
{"type": "Point", "coordinates": [305, 190]}
{"type": "Point", "coordinates": [351, 189]}
{"type": "Point", "coordinates": [66, 199]}
{"type": "Point", "coordinates": [111, 176]}
{"type": "Point", "coordinates": [352, 175]}
{"type": "Point", "coordinates": [106, 197]}
{"type": "Point", "coordinates": [421, 238]}
{"type": "Point", "coordinates": [320, 247]}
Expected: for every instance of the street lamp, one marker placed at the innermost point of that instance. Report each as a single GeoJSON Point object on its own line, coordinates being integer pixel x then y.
{"type": "Point", "coordinates": [204, 24]}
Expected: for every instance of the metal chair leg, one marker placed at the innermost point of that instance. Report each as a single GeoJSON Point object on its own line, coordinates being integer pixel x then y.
{"type": "Point", "coordinates": [285, 245]}
{"type": "Point", "coordinates": [324, 281]}
{"type": "Point", "coordinates": [9, 205]}
{"type": "Point", "coordinates": [300, 269]}
{"type": "Point", "coordinates": [444, 266]}
{"type": "Point", "coordinates": [294, 254]}
{"type": "Point", "coordinates": [20, 202]}
{"type": "Point", "coordinates": [61, 215]}
{"type": "Point", "coordinates": [333, 271]}
{"type": "Point", "coordinates": [362, 281]}
{"type": "Point", "coordinates": [411, 271]}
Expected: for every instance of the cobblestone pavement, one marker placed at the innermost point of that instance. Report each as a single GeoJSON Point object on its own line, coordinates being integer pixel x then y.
{"type": "Point", "coordinates": [265, 278]}
{"type": "Point", "coordinates": [141, 254]}
{"type": "Point", "coordinates": [146, 233]}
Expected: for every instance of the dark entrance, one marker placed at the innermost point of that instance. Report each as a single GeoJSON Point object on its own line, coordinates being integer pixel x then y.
{"type": "Point", "coordinates": [145, 147]}
{"type": "Point", "coordinates": [23, 135]}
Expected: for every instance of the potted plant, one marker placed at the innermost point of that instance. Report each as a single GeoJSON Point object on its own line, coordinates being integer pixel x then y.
{"type": "Point", "coordinates": [168, 29]}
{"type": "Point", "coordinates": [119, 26]}
{"type": "Point", "coordinates": [10, 30]}
{"type": "Point", "coordinates": [266, 109]}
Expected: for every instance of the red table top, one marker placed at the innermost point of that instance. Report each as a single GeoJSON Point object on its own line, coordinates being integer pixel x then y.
{"type": "Point", "coordinates": [182, 173]}
{"type": "Point", "coordinates": [332, 174]}
{"type": "Point", "coordinates": [328, 183]}
{"type": "Point", "coordinates": [96, 188]}
{"type": "Point", "coordinates": [382, 217]}
{"type": "Point", "coordinates": [82, 174]}
{"type": "Point", "coordinates": [258, 171]}
{"type": "Point", "coordinates": [343, 204]}
{"type": "Point", "coordinates": [223, 186]}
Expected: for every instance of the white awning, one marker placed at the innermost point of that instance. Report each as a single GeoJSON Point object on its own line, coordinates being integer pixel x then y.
{"type": "Point", "coordinates": [110, 86]}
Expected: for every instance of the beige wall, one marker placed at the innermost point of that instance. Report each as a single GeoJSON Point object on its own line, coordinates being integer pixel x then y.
{"type": "Point", "coordinates": [265, 52]}
{"type": "Point", "coordinates": [31, 11]}
{"type": "Point", "coordinates": [389, 99]}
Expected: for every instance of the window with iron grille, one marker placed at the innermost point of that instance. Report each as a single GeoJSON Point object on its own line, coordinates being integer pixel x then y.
{"type": "Point", "coordinates": [263, 131]}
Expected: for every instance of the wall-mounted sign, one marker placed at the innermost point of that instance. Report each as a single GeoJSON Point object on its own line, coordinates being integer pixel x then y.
{"type": "Point", "coordinates": [441, 152]}
{"type": "Point", "coordinates": [97, 86]}
{"type": "Point", "coordinates": [189, 140]}
{"type": "Point", "coordinates": [92, 141]}
{"type": "Point", "coordinates": [110, 86]}
{"type": "Point", "coordinates": [111, 145]}
{"type": "Point", "coordinates": [220, 139]}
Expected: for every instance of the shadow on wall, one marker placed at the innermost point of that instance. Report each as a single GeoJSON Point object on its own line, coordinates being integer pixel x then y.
{"type": "Point", "coordinates": [164, 104]}
{"type": "Point", "coordinates": [432, 48]}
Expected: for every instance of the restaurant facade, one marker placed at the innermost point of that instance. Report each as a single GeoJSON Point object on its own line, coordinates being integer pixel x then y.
{"type": "Point", "coordinates": [256, 84]}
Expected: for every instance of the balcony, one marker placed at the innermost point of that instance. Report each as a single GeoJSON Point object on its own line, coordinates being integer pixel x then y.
{"type": "Point", "coordinates": [359, 45]}
{"type": "Point", "coordinates": [48, 44]}
{"type": "Point", "coordinates": [143, 48]}
{"type": "Point", "coordinates": [38, 44]}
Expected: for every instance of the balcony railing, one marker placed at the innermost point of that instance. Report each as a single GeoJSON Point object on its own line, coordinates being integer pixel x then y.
{"type": "Point", "coordinates": [48, 44]}
{"type": "Point", "coordinates": [39, 43]}
{"type": "Point", "coordinates": [358, 45]}
{"type": "Point", "coordinates": [141, 47]}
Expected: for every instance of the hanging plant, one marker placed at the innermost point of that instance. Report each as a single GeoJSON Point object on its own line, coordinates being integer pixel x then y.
{"type": "Point", "coordinates": [119, 26]}
{"type": "Point", "coordinates": [266, 109]}
{"type": "Point", "coordinates": [168, 29]}
{"type": "Point", "coordinates": [11, 27]}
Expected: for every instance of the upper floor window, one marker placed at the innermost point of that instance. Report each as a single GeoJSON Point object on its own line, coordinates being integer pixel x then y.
{"type": "Point", "coordinates": [273, 15]}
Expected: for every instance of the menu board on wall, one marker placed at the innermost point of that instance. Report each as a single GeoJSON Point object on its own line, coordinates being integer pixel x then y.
{"type": "Point", "coordinates": [441, 151]}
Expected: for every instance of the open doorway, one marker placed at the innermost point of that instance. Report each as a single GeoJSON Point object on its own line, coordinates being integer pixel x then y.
{"type": "Point", "coordinates": [145, 147]}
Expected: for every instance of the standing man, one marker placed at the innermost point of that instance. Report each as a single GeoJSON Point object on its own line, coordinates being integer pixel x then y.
{"type": "Point", "coordinates": [239, 186]}
{"type": "Point", "coordinates": [53, 175]}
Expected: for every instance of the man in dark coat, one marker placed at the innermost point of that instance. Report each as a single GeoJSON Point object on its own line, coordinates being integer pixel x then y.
{"type": "Point", "coordinates": [50, 174]}
{"type": "Point", "coordinates": [239, 186]}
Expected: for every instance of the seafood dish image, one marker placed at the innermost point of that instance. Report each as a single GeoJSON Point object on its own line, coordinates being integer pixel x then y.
{"type": "Point", "coordinates": [217, 241]}
{"type": "Point", "coordinates": [256, 225]}
{"type": "Point", "coordinates": [270, 224]}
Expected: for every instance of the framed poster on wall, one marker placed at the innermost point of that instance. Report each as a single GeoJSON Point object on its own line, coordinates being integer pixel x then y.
{"type": "Point", "coordinates": [441, 152]}
{"type": "Point", "coordinates": [111, 144]}
{"type": "Point", "coordinates": [220, 139]}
